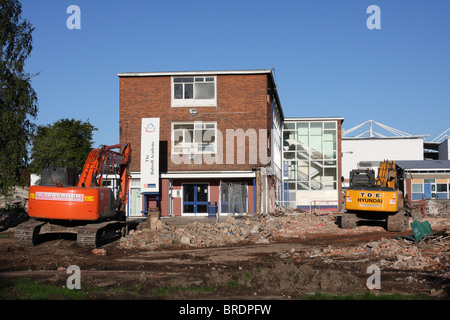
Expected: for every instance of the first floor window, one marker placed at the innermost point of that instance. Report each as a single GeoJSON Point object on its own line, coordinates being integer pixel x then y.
{"type": "Point", "coordinates": [193, 91]}
{"type": "Point", "coordinates": [197, 137]}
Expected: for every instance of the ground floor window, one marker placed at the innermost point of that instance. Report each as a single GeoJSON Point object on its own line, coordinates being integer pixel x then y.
{"type": "Point", "coordinates": [422, 189]}
{"type": "Point", "coordinates": [233, 196]}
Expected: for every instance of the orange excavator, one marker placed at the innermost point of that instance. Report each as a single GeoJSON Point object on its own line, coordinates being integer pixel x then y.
{"type": "Point", "coordinates": [86, 208]}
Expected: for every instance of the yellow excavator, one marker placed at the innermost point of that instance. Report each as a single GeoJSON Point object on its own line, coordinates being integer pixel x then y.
{"type": "Point", "coordinates": [370, 199]}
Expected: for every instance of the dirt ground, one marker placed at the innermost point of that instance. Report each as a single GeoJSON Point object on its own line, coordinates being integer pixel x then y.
{"type": "Point", "coordinates": [333, 262]}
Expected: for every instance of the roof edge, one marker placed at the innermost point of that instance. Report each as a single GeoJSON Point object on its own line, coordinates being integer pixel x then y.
{"type": "Point", "coordinates": [185, 73]}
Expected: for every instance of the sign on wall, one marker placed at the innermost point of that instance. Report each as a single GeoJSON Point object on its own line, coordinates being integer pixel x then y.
{"type": "Point", "coordinates": [150, 155]}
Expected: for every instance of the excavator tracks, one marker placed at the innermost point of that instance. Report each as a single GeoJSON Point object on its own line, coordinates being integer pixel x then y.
{"type": "Point", "coordinates": [88, 236]}
{"type": "Point", "coordinates": [27, 233]}
{"type": "Point", "coordinates": [398, 222]}
{"type": "Point", "coordinates": [93, 235]}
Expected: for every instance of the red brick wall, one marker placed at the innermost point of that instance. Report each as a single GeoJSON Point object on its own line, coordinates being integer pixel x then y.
{"type": "Point", "coordinates": [241, 103]}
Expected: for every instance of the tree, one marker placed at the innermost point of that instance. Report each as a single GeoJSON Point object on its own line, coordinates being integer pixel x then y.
{"type": "Point", "coordinates": [18, 100]}
{"type": "Point", "coordinates": [66, 142]}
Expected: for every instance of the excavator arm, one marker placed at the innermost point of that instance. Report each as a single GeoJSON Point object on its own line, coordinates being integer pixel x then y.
{"type": "Point", "coordinates": [96, 162]}
{"type": "Point", "coordinates": [387, 175]}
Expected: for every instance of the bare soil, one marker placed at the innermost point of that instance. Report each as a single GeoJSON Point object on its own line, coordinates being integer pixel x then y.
{"type": "Point", "coordinates": [285, 268]}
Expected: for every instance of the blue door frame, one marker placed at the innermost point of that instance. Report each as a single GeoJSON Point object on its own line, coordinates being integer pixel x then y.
{"type": "Point", "coordinates": [198, 194]}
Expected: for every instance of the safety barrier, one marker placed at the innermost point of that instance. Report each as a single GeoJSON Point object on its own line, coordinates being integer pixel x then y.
{"type": "Point", "coordinates": [313, 207]}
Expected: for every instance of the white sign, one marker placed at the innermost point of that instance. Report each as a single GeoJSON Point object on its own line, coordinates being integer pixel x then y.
{"type": "Point", "coordinates": [150, 155]}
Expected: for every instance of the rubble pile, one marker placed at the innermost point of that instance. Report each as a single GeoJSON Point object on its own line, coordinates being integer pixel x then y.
{"type": "Point", "coordinates": [432, 253]}
{"type": "Point", "coordinates": [257, 229]}
{"type": "Point", "coordinates": [19, 198]}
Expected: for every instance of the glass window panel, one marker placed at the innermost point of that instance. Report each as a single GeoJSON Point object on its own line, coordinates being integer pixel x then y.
{"type": "Point", "coordinates": [316, 143]}
{"type": "Point", "coordinates": [289, 155]}
{"type": "Point", "coordinates": [303, 171]}
{"type": "Point", "coordinates": [303, 140]}
{"type": "Point", "coordinates": [330, 155]}
{"type": "Point", "coordinates": [330, 163]}
{"type": "Point", "coordinates": [316, 128]}
{"type": "Point", "coordinates": [187, 80]}
{"type": "Point", "coordinates": [202, 193]}
{"type": "Point", "coordinates": [199, 79]}
{"type": "Point", "coordinates": [189, 193]}
{"type": "Point", "coordinates": [302, 128]}
{"type": "Point", "coordinates": [289, 126]}
{"type": "Point", "coordinates": [329, 136]}
{"type": "Point", "coordinates": [288, 135]}
{"type": "Point", "coordinates": [442, 187]}
{"type": "Point", "coordinates": [329, 125]}
{"type": "Point", "coordinates": [292, 170]}
{"type": "Point", "coordinates": [204, 91]}
{"type": "Point", "coordinates": [209, 79]}
{"type": "Point", "coordinates": [416, 187]}
{"type": "Point", "coordinates": [175, 80]}
{"type": "Point", "coordinates": [316, 170]}
{"type": "Point", "coordinates": [178, 91]}
{"type": "Point", "coordinates": [188, 91]}
{"type": "Point", "coordinates": [330, 172]}
{"type": "Point", "coordinates": [302, 186]}
{"type": "Point", "coordinates": [302, 156]}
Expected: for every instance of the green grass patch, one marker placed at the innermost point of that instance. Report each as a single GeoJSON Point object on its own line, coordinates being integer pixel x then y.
{"type": "Point", "coordinates": [25, 289]}
{"type": "Point", "coordinates": [175, 289]}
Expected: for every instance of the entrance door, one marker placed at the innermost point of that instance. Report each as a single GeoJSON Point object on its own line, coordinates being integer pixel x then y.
{"type": "Point", "coordinates": [195, 198]}
{"type": "Point", "coordinates": [135, 203]}
{"type": "Point", "coordinates": [427, 190]}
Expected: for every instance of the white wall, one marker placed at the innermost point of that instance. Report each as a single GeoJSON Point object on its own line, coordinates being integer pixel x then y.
{"type": "Point", "coordinates": [321, 197]}
{"type": "Point", "coordinates": [378, 149]}
{"type": "Point", "coordinates": [444, 151]}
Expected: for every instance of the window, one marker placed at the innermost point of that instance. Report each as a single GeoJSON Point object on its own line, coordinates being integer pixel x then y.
{"type": "Point", "coordinates": [417, 188]}
{"type": "Point", "coordinates": [315, 144]}
{"type": "Point", "coordinates": [193, 91]}
{"type": "Point", "coordinates": [197, 137]}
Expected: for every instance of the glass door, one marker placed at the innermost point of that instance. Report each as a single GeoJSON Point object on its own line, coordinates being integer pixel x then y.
{"type": "Point", "coordinates": [195, 198]}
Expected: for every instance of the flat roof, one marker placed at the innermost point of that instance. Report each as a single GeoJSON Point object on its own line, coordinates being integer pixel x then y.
{"type": "Point", "coordinates": [186, 73]}
{"type": "Point", "coordinates": [312, 118]}
{"type": "Point", "coordinates": [424, 164]}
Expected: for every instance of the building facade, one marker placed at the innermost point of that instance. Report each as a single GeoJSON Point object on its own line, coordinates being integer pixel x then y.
{"type": "Point", "coordinates": [425, 180]}
{"type": "Point", "coordinates": [312, 162]}
{"type": "Point", "coordinates": [219, 140]}
{"type": "Point", "coordinates": [375, 143]}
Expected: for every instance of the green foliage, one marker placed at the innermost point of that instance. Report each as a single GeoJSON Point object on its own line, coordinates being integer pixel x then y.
{"type": "Point", "coordinates": [66, 142]}
{"type": "Point", "coordinates": [18, 101]}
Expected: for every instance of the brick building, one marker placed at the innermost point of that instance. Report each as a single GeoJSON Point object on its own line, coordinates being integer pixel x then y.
{"type": "Point", "coordinates": [219, 140]}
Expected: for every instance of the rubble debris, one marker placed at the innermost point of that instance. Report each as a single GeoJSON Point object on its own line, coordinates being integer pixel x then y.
{"type": "Point", "coordinates": [398, 254]}
{"type": "Point", "coordinates": [252, 228]}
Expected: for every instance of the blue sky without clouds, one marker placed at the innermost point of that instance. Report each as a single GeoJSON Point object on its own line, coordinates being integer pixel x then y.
{"type": "Point", "coordinates": [327, 62]}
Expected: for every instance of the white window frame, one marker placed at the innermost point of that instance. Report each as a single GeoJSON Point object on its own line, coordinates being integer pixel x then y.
{"type": "Point", "coordinates": [193, 149]}
{"type": "Point", "coordinates": [193, 102]}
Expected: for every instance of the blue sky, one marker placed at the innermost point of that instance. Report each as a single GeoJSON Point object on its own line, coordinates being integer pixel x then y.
{"type": "Point", "coordinates": [327, 62]}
